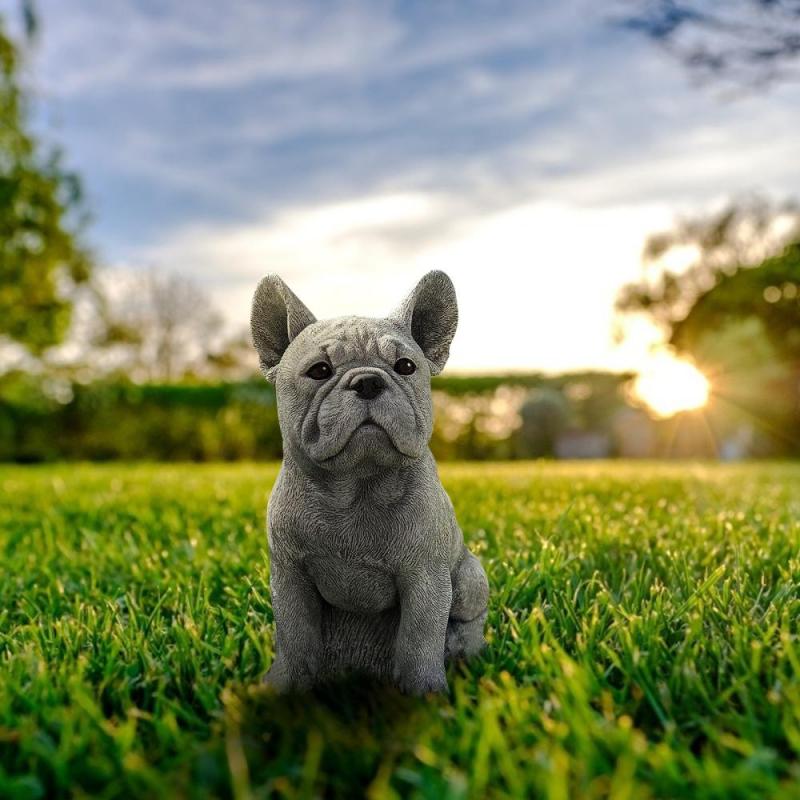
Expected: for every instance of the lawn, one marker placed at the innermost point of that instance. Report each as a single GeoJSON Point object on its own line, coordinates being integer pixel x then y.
{"type": "Point", "coordinates": [643, 641]}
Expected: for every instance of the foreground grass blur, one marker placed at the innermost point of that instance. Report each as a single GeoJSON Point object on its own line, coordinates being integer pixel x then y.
{"type": "Point", "coordinates": [643, 641]}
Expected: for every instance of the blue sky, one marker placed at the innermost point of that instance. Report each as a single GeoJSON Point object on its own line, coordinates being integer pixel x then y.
{"type": "Point", "coordinates": [527, 148]}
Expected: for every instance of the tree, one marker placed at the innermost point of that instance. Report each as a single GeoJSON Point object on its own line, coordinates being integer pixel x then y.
{"type": "Point", "coordinates": [745, 333]}
{"type": "Point", "coordinates": [736, 311]}
{"type": "Point", "coordinates": [769, 293]}
{"type": "Point", "coordinates": [741, 41]}
{"type": "Point", "coordinates": [157, 327]}
{"type": "Point", "coordinates": [544, 414]}
{"type": "Point", "coordinates": [41, 257]}
{"type": "Point", "coordinates": [741, 236]}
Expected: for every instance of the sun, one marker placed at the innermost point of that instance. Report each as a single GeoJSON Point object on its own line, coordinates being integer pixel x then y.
{"type": "Point", "coordinates": [669, 385]}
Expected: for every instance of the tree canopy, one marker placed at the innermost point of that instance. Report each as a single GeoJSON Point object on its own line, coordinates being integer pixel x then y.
{"type": "Point", "coordinates": [742, 42]}
{"type": "Point", "coordinates": [41, 256]}
{"type": "Point", "coordinates": [745, 263]}
{"type": "Point", "coordinates": [736, 311]}
{"type": "Point", "coordinates": [769, 292]}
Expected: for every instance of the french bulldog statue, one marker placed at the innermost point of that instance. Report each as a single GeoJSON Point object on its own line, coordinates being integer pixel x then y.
{"type": "Point", "coordinates": [368, 567]}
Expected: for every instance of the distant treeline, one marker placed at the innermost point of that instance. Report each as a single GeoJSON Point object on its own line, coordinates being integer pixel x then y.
{"type": "Point", "coordinates": [46, 419]}
{"type": "Point", "coordinates": [578, 415]}
{"type": "Point", "coordinates": [105, 421]}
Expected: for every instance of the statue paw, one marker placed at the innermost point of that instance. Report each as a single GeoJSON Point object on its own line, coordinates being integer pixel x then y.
{"type": "Point", "coordinates": [284, 679]}
{"type": "Point", "coordinates": [431, 680]}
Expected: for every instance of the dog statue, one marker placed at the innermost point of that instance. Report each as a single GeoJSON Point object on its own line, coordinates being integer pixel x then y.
{"type": "Point", "coordinates": [369, 570]}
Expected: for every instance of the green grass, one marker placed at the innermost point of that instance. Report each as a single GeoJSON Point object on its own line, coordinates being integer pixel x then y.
{"type": "Point", "coordinates": [643, 641]}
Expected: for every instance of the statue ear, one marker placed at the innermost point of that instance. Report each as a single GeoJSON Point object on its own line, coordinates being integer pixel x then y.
{"type": "Point", "coordinates": [276, 318]}
{"type": "Point", "coordinates": [430, 314]}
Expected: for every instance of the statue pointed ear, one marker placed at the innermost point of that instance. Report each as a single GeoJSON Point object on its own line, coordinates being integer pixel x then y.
{"type": "Point", "coordinates": [430, 314]}
{"type": "Point", "coordinates": [276, 318]}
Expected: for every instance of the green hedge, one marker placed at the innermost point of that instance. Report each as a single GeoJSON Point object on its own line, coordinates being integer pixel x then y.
{"type": "Point", "coordinates": [43, 420]}
{"type": "Point", "coordinates": [104, 421]}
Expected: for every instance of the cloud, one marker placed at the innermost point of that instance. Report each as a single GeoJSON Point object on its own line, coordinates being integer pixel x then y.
{"type": "Point", "coordinates": [345, 241]}
{"type": "Point", "coordinates": [188, 45]}
{"type": "Point", "coordinates": [181, 44]}
{"type": "Point", "coordinates": [536, 282]}
{"type": "Point", "coordinates": [351, 146]}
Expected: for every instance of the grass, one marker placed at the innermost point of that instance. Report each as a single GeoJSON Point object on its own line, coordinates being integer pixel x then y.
{"type": "Point", "coordinates": [643, 641]}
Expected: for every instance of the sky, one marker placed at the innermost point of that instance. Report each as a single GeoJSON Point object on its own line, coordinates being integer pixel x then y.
{"type": "Point", "coordinates": [527, 149]}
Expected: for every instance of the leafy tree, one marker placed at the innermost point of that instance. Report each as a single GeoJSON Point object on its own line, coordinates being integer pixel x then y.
{"type": "Point", "coordinates": [544, 415]}
{"type": "Point", "coordinates": [769, 293]}
{"type": "Point", "coordinates": [41, 256]}
{"type": "Point", "coordinates": [742, 256]}
{"type": "Point", "coordinates": [735, 310]}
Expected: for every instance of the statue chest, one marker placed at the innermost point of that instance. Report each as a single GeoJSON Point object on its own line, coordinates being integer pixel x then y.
{"type": "Point", "coordinates": [353, 585]}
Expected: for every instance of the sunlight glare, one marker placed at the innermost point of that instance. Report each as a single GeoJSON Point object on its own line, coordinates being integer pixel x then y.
{"type": "Point", "coordinates": [670, 385]}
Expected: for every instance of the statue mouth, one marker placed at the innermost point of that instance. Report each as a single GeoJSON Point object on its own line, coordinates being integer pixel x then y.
{"type": "Point", "coordinates": [369, 424]}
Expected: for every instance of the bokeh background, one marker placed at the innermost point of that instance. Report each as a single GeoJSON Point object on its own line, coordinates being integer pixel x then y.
{"type": "Point", "coordinates": [611, 187]}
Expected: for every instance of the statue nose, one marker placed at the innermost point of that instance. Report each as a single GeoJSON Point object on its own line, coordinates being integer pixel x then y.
{"type": "Point", "coordinates": [368, 387]}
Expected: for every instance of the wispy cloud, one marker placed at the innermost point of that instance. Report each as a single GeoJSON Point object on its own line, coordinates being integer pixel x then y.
{"type": "Point", "coordinates": [536, 282]}
{"type": "Point", "coordinates": [183, 44]}
{"type": "Point", "coordinates": [359, 142]}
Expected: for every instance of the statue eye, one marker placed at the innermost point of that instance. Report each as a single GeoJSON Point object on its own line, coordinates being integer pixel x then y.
{"type": "Point", "coordinates": [319, 371]}
{"type": "Point", "coordinates": [405, 366]}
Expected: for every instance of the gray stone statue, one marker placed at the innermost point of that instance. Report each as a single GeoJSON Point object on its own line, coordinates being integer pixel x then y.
{"type": "Point", "coordinates": [369, 569]}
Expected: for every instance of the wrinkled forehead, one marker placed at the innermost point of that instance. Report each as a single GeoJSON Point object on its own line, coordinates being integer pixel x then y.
{"type": "Point", "coordinates": [360, 339]}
